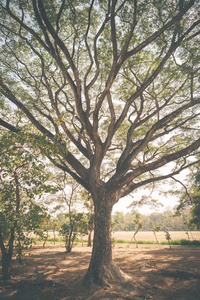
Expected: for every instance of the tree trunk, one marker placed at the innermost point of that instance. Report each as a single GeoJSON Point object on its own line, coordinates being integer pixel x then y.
{"type": "Point", "coordinates": [54, 237]}
{"type": "Point", "coordinates": [7, 254]}
{"type": "Point", "coordinates": [89, 238]}
{"type": "Point", "coordinates": [90, 229]}
{"type": "Point", "coordinates": [69, 243]}
{"type": "Point", "coordinates": [102, 270]}
{"type": "Point", "coordinates": [68, 247]}
{"type": "Point", "coordinates": [6, 263]}
{"type": "Point", "coordinates": [45, 239]}
{"type": "Point", "coordinates": [156, 238]}
{"type": "Point", "coordinates": [19, 251]}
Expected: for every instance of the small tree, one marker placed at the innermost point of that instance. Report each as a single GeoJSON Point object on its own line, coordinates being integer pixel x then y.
{"type": "Point", "coordinates": [190, 197]}
{"type": "Point", "coordinates": [90, 228]}
{"type": "Point", "coordinates": [55, 226]}
{"type": "Point", "coordinates": [138, 223]}
{"type": "Point", "coordinates": [43, 231]}
{"type": "Point", "coordinates": [168, 238]}
{"type": "Point", "coordinates": [190, 226]}
{"type": "Point", "coordinates": [88, 203]}
{"type": "Point", "coordinates": [76, 223]}
{"type": "Point", "coordinates": [155, 230]}
{"type": "Point", "coordinates": [22, 177]}
{"type": "Point", "coordinates": [195, 197]}
{"type": "Point", "coordinates": [83, 226]}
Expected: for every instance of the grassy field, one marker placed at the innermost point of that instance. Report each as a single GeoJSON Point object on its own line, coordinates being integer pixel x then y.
{"type": "Point", "coordinates": [149, 236]}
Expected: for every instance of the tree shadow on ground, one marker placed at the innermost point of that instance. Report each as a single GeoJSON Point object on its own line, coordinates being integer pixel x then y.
{"type": "Point", "coordinates": [165, 274]}
{"type": "Point", "coordinates": [157, 274]}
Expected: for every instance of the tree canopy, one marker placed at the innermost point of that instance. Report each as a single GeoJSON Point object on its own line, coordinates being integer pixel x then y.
{"type": "Point", "coordinates": [108, 91]}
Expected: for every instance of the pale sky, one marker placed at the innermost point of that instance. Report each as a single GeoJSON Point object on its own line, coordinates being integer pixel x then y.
{"type": "Point", "coordinates": [168, 202]}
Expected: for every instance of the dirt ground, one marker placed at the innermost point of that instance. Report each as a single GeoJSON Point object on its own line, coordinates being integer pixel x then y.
{"type": "Point", "coordinates": [158, 273]}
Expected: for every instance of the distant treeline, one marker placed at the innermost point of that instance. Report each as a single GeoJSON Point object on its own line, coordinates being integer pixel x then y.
{"type": "Point", "coordinates": [165, 220]}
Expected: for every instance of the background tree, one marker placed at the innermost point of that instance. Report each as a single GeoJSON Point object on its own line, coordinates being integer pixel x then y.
{"type": "Point", "coordinates": [123, 222]}
{"type": "Point", "coordinates": [75, 224]}
{"type": "Point", "coordinates": [189, 196]}
{"type": "Point", "coordinates": [109, 91]}
{"type": "Point", "coordinates": [22, 178]}
{"type": "Point", "coordinates": [89, 205]}
{"type": "Point", "coordinates": [43, 230]}
{"type": "Point", "coordinates": [167, 218]}
{"type": "Point", "coordinates": [195, 197]}
{"type": "Point", "coordinates": [138, 223]}
{"type": "Point", "coordinates": [168, 238]}
{"type": "Point", "coordinates": [118, 219]}
{"type": "Point", "coordinates": [156, 229]}
{"type": "Point", "coordinates": [56, 226]}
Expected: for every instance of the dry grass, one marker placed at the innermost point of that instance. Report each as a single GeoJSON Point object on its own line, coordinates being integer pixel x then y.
{"type": "Point", "coordinates": [149, 236]}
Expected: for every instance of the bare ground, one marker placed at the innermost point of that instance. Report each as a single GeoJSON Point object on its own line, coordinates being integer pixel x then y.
{"type": "Point", "coordinates": [158, 273]}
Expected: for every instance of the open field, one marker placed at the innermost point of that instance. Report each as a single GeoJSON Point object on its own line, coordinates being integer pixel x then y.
{"type": "Point", "coordinates": [158, 274]}
{"type": "Point", "coordinates": [149, 236]}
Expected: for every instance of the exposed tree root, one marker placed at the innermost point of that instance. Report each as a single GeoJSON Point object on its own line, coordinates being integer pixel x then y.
{"type": "Point", "coordinates": [106, 276]}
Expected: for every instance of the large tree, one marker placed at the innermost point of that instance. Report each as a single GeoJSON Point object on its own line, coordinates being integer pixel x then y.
{"type": "Point", "coordinates": [109, 91]}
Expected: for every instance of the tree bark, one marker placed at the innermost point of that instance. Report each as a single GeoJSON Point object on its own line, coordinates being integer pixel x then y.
{"type": "Point", "coordinates": [54, 236]}
{"type": "Point", "coordinates": [90, 229]}
{"type": "Point", "coordinates": [102, 270]}
{"type": "Point", "coordinates": [7, 255]}
{"type": "Point", "coordinates": [45, 239]}
{"type": "Point", "coordinates": [89, 238]}
{"type": "Point", "coordinates": [68, 247]}
{"type": "Point", "coordinates": [6, 264]}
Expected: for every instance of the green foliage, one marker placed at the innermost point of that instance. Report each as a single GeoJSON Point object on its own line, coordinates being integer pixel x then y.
{"type": "Point", "coordinates": [156, 229]}
{"type": "Point", "coordinates": [75, 224]}
{"type": "Point", "coordinates": [195, 210]}
{"type": "Point", "coordinates": [168, 237]}
{"type": "Point", "coordinates": [191, 198]}
{"type": "Point", "coordinates": [23, 178]}
{"type": "Point", "coordinates": [114, 241]}
{"type": "Point", "coordinates": [124, 222]}
{"type": "Point", "coordinates": [107, 90]}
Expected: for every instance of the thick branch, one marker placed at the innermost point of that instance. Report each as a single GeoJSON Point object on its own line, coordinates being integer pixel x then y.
{"type": "Point", "coordinates": [127, 179]}
{"type": "Point", "coordinates": [113, 31]}
{"type": "Point", "coordinates": [8, 126]}
{"type": "Point", "coordinates": [8, 94]}
{"type": "Point", "coordinates": [65, 168]}
{"type": "Point", "coordinates": [158, 125]}
{"type": "Point", "coordinates": [81, 170]}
